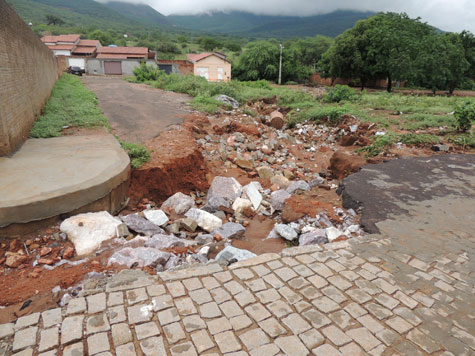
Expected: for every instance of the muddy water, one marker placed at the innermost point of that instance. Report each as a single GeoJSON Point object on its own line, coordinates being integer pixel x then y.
{"type": "Point", "coordinates": [255, 240]}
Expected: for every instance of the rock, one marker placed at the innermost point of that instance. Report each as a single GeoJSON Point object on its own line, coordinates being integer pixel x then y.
{"type": "Point", "coordinates": [265, 172]}
{"type": "Point", "coordinates": [298, 185]}
{"type": "Point", "coordinates": [228, 101]}
{"type": "Point", "coordinates": [333, 233]}
{"type": "Point", "coordinates": [45, 250]}
{"type": "Point", "coordinates": [278, 198]}
{"type": "Point", "coordinates": [216, 204]}
{"type": "Point", "coordinates": [343, 164]}
{"type": "Point", "coordinates": [246, 164]}
{"type": "Point", "coordinates": [14, 260]}
{"type": "Point", "coordinates": [230, 253]}
{"type": "Point", "coordinates": [205, 220]}
{"type": "Point", "coordinates": [45, 261]}
{"type": "Point", "coordinates": [88, 231]}
{"type": "Point", "coordinates": [440, 148]}
{"type": "Point", "coordinates": [317, 236]}
{"type": "Point", "coordinates": [286, 232]}
{"type": "Point", "coordinates": [224, 187]}
{"type": "Point", "coordinates": [276, 120]}
{"type": "Point", "coordinates": [230, 230]}
{"type": "Point", "coordinates": [173, 228]}
{"type": "Point", "coordinates": [189, 224]}
{"type": "Point", "coordinates": [141, 225]}
{"type": "Point", "coordinates": [252, 192]}
{"type": "Point", "coordinates": [204, 239]}
{"type": "Point", "coordinates": [68, 252]}
{"type": "Point", "coordinates": [174, 261]}
{"type": "Point", "coordinates": [178, 202]}
{"type": "Point", "coordinates": [281, 181]}
{"type": "Point", "coordinates": [158, 217]}
{"type": "Point", "coordinates": [161, 241]}
{"type": "Point", "coordinates": [140, 256]}
{"type": "Point", "coordinates": [316, 181]}
{"type": "Point", "coordinates": [241, 204]}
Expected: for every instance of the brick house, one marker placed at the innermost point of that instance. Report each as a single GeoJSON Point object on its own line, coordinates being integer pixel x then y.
{"type": "Point", "coordinates": [212, 66]}
{"type": "Point", "coordinates": [119, 60]}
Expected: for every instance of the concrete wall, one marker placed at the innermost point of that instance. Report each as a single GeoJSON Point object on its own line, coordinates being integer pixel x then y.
{"type": "Point", "coordinates": [95, 66]}
{"type": "Point", "coordinates": [213, 63]}
{"type": "Point", "coordinates": [28, 71]}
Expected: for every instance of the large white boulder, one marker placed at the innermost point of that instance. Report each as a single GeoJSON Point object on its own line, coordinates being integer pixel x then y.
{"type": "Point", "coordinates": [88, 231]}
{"type": "Point", "coordinates": [205, 220]}
{"type": "Point", "coordinates": [158, 217]}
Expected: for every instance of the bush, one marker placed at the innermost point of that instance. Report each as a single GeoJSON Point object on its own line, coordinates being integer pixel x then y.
{"type": "Point", "coordinates": [332, 114]}
{"type": "Point", "coordinates": [206, 104]}
{"type": "Point", "coordinates": [419, 139]}
{"type": "Point", "coordinates": [465, 140]}
{"type": "Point", "coordinates": [146, 73]}
{"type": "Point", "coordinates": [138, 154]}
{"type": "Point", "coordinates": [380, 144]}
{"type": "Point", "coordinates": [340, 93]}
{"type": "Point", "coordinates": [464, 116]}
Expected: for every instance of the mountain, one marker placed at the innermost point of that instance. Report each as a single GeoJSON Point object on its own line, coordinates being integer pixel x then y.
{"type": "Point", "coordinates": [111, 15]}
{"type": "Point", "coordinates": [250, 25]}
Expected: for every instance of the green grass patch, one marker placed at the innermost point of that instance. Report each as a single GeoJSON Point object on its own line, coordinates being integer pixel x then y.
{"type": "Point", "coordinates": [423, 120]}
{"type": "Point", "coordinates": [464, 140]}
{"type": "Point", "coordinates": [206, 104]}
{"type": "Point", "coordinates": [138, 154]}
{"type": "Point", "coordinates": [70, 104]}
{"type": "Point", "coordinates": [419, 139]}
{"type": "Point", "coordinates": [379, 144]}
{"type": "Point", "coordinates": [318, 113]}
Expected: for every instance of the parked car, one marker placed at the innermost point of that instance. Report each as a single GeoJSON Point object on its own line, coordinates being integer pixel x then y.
{"type": "Point", "coordinates": [76, 71]}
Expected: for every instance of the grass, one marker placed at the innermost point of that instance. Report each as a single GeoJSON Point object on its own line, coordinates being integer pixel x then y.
{"type": "Point", "coordinates": [70, 104]}
{"type": "Point", "coordinates": [73, 105]}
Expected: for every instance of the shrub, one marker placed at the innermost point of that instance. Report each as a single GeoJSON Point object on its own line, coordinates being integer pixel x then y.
{"type": "Point", "coordinates": [340, 93]}
{"type": "Point", "coordinates": [418, 139]}
{"type": "Point", "coordinates": [464, 116]}
{"type": "Point", "coordinates": [465, 140]}
{"type": "Point", "coordinates": [332, 114]}
{"type": "Point", "coordinates": [146, 73]}
{"type": "Point", "coordinates": [206, 104]}
{"type": "Point", "coordinates": [380, 144]}
{"type": "Point", "coordinates": [138, 154]}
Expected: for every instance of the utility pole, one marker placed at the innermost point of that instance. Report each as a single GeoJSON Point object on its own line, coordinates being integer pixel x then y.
{"type": "Point", "coordinates": [280, 64]}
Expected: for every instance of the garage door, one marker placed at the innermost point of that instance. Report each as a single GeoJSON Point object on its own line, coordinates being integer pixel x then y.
{"type": "Point", "coordinates": [77, 62]}
{"type": "Point", "coordinates": [113, 67]}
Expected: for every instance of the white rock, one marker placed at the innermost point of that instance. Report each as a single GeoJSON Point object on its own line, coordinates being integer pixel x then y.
{"type": "Point", "coordinates": [252, 192]}
{"type": "Point", "coordinates": [278, 198]}
{"type": "Point", "coordinates": [333, 233]}
{"type": "Point", "coordinates": [179, 202]}
{"type": "Point", "coordinates": [88, 231]}
{"type": "Point", "coordinates": [241, 204]}
{"type": "Point", "coordinates": [224, 187]}
{"type": "Point", "coordinates": [205, 220]}
{"type": "Point", "coordinates": [286, 231]}
{"type": "Point", "coordinates": [231, 252]}
{"type": "Point", "coordinates": [158, 217]}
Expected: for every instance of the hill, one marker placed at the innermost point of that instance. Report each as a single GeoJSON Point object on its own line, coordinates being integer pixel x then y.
{"type": "Point", "coordinates": [250, 25]}
{"type": "Point", "coordinates": [138, 12]}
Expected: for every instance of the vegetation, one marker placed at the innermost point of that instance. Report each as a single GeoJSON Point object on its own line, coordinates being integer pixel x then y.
{"type": "Point", "coordinates": [138, 153]}
{"type": "Point", "coordinates": [464, 115]}
{"type": "Point", "coordinates": [146, 72]}
{"type": "Point", "coordinates": [70, 104]}
{"type": "Point", "coordinates": [339, 93]}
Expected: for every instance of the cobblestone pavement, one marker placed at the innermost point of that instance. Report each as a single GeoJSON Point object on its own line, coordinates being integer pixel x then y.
{"type": "Point", "coordinates": [406, 291]}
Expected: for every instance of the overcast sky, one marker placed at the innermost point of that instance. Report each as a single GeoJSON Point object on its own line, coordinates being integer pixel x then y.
{"type": "Point", "coordinates": [448, 15]}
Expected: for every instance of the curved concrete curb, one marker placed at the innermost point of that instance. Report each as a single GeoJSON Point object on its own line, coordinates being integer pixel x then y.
{"type": "Point", "coordinates": [49, 177]}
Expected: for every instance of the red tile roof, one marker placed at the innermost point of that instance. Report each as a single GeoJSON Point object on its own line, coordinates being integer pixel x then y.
{"type": "Point", "coordinates": [82, 50]}
{"type": "Point", "coordinates": [89, 43]}
{"type": "Point", "coordinates": [196, 57]}
{"type": "Point", "coordinates": [124, 50]}
{"type": "Point", "coordinates": [62, 47]}
{"type": "Point", "coordinates": [61, 38]}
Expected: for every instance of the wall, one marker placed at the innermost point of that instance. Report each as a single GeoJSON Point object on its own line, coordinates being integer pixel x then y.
{"type": "Point", "coordinates": [28, 71]}
{"type": "Point", "coordinates": [96, 66]}
{"type": "Point", "coordinates": [184, 67]}
{"type": "Point", "coordinates": [213, 63]}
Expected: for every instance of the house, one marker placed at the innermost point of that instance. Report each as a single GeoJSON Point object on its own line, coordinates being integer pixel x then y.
{"type": "Point", "coordinates": [85, 49]}
{"type": "Point", "coordinates": [212, 66]}
{"type": "Point", "coordinates": [119, 60]}
{"type": "Point", "coordinates": [61, 45]}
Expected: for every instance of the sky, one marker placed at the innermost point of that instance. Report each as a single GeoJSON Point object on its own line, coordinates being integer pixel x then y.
{"type": "Point", "coordinates": [448, 15]}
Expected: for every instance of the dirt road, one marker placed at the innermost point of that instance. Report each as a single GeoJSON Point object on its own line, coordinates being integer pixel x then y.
{"type": "Point", "coordinates": [137, 112]}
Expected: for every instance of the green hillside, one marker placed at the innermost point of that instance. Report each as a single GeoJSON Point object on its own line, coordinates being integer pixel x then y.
{"type": "Point", "coordinates": [250, 25]}
{"type": "Point", "coordinates": [139, 12]}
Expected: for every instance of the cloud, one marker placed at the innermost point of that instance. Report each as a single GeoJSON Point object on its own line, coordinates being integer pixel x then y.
{"type": "Point", "coordinates": [448, 15]}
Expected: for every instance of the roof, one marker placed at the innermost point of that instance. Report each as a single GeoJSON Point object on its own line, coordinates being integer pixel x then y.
{"type": "Point", "coordinates": [118, 56]}
{"type": "Point", "coordinates": [89, 43]}
{"type": "Point", "coordinates": [61, 38]}
{"type": "Point", "coordinates": [81, 49]}
{"type": "Point", "coordinates": [192, 57]}
{"type": "Point", "coordinates": [61, 47]}
{"type": "Point", "coordinates": [143, 51]}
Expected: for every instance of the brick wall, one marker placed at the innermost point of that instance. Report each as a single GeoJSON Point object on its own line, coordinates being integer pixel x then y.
{"type": "Point", "coordinates": [184, 66]}
{"type": "Point", "coordinates": [28, 71]}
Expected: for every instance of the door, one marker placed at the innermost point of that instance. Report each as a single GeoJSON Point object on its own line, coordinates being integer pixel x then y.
{"type": "Point", "coordinates": [167, 68]}
{"type": "Point", "coordinates": [113, 67]}
{"type": "Point", "coordinates": [77, 62]}
{"type": "Point", "coordinates": [202, 72]}
{"type": "Point", "coordinates": [220, 74]}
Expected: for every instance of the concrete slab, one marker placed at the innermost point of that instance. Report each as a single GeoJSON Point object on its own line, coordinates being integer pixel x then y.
{"type": "Point", "coordinates": [49, 177]}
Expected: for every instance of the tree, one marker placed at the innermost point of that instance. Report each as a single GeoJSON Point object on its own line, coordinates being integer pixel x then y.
{"type": "Point", "coordinates": [209, 43]}
{"type": "Point", "coordinates": [260, 60]}
{"type": "Point", "coordinates": [105, 38]}
{"type": "Point", "coordinates": [54, 20]}
{"type": "Point", "coordinates": [311, 49]}
{"type": "Point", "coordinates": [468, 42]}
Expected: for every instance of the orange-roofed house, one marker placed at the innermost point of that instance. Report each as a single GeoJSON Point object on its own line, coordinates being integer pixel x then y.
{"type": "Point", "coordinates": [119, 60]}
{"type": "Point", "coordinates": [61, 45]}
{"type": "Point", "coordinates": [212, 66]}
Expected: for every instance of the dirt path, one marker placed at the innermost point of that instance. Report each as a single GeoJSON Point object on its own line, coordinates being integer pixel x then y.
{"type": "Point", "coordinates": [136, 112]}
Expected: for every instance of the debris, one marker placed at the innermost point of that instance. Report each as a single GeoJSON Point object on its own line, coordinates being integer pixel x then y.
{"type": "Point", "coordinates": [229, 253]}
{"type": "Point", "coordinates": [253, 194]}
{"type": "Point", "coordinates": [141, 256]}
{"type": "Point", "coordinates": [14, 259]}
{"type": "Point", "coordinates": [230, 230]}
{"type": "Point", "coordinates": [278, 198]}
{"type": "Point", "coordinates": [298, 185]}
{"type": "Point", "coordinates": [205, 220]}
{"type": "Point", "coordinates": [333, 233]}
{"type": "Point", "coordinates": [228, 101]}
{"type": "Point", "coordinates": [178, 202]}
{"type": "Point", "coordinates": [276, 120]}
{"type": "Point", "coordinates": [240, 205]}
{"type": "Point", "coordinates": [141, 225]}
{"type": "Point", "coordinates": [26, 304]}
{"type": "Point", "coordinates": [223, 187]}
{"type": "Point", "coordinates": [440, 148]}
{"type": "Point", "coordinates": [281, 181]}
{"type": "Point", "coordinates": [188, 224]}
{"type": "Point", "coordinates": [317, 236]}
{"type": "Point", "coordinates": [286, 231]}
{"type": "Point", "coordinates": [158, 217]}
{"type": "Point", "coordinates": [265, 172]}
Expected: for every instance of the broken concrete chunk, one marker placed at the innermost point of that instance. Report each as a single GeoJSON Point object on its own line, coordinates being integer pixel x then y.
{"type": "Point", "coordinates": [178, 202]}
{"type": "Point", "coordinates": [205, 220]}
{"type": "Point", "coordinates": [298, 185]}
{"type": "Point", "coordinates": [333, 233]}
{"type": "Point", "coordinates": [140, 257]}
{"type": "Point", "coordinates": [253, 194]}
{"type": "Point", "coordinates": [141, 225]}
{"type": "Point", "coordinates": [158, 217]}
{"type": "Point", "coordinates": [241, 204]}
{"type": "Point", "coordinates": [230, 230]}
{"type": "Point", "coordinates": [316, 236]}
{"type": "Point", "coordinates": [88, 231]}
{"type": "Point", "coordinates": [278, 198]}
{"type": "Point", "coordinates": [286, 231]}
{"type": "Point", "coordinates": [232, 253]}
{"type": "Point", "coordinates": [224, 187]}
